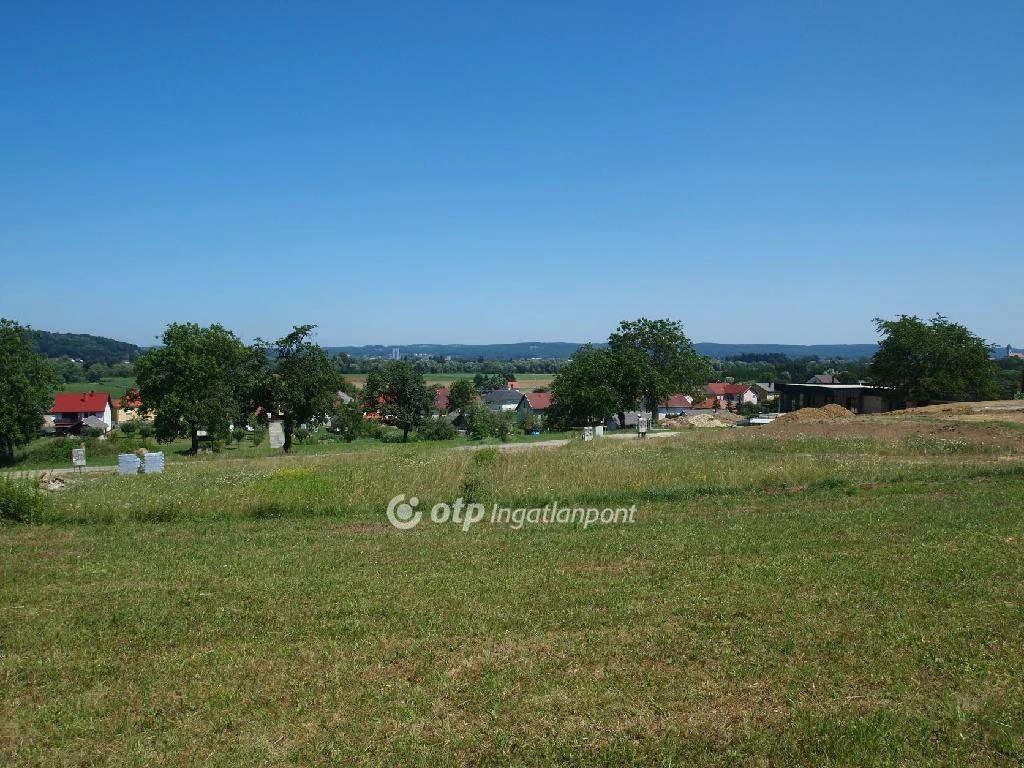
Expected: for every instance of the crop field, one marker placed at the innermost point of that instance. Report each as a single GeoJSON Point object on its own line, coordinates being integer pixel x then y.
{"type": "Point", "coordinates": [526, 382]}
{"type": "Point", "coordinates": [808, 594]}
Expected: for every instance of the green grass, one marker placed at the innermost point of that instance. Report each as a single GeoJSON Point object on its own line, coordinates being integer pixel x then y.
{"type": "Point", "coordinates": [115, 386]}
{"type": "Point", "coordinates": [778, 601]}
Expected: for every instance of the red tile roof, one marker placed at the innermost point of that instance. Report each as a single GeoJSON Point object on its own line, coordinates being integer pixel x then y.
{"type": "Point", "coordinates": [727, 389]}
{"type": "Point", "coordinates": [709, 403]}
{"type": "Point", "coordinates": [441, 399]}
{"type": "Point", "coordinates": [80, 402]}
{"type": "Point", "coordinates": [539, 401]}
{"type": "Point", "coordinates": [677, 401]}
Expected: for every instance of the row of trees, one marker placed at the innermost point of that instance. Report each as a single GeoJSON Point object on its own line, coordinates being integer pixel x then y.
{"type": "Point", "coordinates": [207, 379]}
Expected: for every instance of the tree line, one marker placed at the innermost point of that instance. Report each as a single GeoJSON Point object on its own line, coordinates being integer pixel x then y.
{"type": "Point", "coordinates": [207, 379]}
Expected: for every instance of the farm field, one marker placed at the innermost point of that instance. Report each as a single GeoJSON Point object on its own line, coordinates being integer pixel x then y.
{"type": "Point", "coordinates": [116, 386]}
{"type": "Point", "coordinates": [817, 594]}
{"type": "Point", "coordinates": [526, 382]}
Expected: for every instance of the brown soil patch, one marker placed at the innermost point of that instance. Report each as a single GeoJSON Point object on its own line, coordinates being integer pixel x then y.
{"type": "Point", "coordinates": [827, 413]}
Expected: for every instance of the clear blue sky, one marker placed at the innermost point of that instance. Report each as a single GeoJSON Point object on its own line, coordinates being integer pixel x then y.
{"type": "Point", "coordinates": [459, 172]}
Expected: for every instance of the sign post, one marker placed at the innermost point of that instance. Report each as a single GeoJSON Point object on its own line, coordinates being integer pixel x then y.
{"type": "Point", "coordinates": [275, 431]}
{"type": "Point", "coordinates": [78, 458]}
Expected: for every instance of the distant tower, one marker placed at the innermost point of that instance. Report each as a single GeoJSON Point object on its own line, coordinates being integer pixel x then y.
{"type": "Point", "coordinates": [395, 354]}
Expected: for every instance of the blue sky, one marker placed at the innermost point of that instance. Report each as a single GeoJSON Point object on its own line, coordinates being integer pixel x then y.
{"type": "Point", "coordinates": [455, 172]}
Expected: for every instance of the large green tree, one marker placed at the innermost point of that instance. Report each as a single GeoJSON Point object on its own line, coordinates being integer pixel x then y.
{"type": "Point", "coordinates": [935, 360]}
{"type": "Point", "coordinates": [655, 359]}
{"type": "Point", "coordinates": [461, 395]}
{"type": "Point", "coordinates": [397, 391]}
{"type": "Point", "coordinates": [303, 382]}
{"type": "Point", "coordinates": [583, 392]}
{"type": "Point", "coordinates": [27, 382]}
{"type": "Point", "coordinates": [198, 379]}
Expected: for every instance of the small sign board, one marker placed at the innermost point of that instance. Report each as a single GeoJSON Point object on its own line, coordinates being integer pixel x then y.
{"type": "Point", "coordinates": [275, 431]}
{"type": "Point", "coordinates": [588, 433]}
{"type": "Point", "coordinates": [78, 457]}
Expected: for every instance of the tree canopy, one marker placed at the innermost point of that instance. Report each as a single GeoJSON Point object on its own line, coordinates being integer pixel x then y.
{"type": "Point", "coordinates": [583, 393]}
{"type": "Point", "coordinates": [653, 360]}
{"type": "Point", "coordinates": [398, 393]}
{"type": "Point", "coordinates": [934, 360]}
{"type": "Point", "coordinates": [27, 382]}
{"type": "Point", "coordinates": [303, 382]}
{"type": "Point", "coordinates": [199, 379]}
{"type": "Point", "coordinates": [461, 395]}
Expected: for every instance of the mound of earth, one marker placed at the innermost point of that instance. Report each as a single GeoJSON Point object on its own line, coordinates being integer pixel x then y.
{"type": "Point", "coordinates": [830, 412]}
{"type": "Point", "coordinates": [704, 420]}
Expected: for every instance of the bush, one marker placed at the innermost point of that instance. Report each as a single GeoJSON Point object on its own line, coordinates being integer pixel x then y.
{"type": "Point", "coordinates": [484, 423]}
{"type": "Point", "coordinates": [393, 435]}
{"type": "Point", "coordinates": [259, 433]}
{"type": "Point", "coordinates": [20, 502]}
{"type": "Point", "coordinates": [128, 428]}
{"type": "Point", "coordinates": [748, 409]}
{"type": "Point", "coordinates": [302, 435]}
{"type": "Point", "coordinates": [436, 429]}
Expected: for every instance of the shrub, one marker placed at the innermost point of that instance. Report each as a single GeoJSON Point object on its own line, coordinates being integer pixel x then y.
{"type": "Point", "coordinates": [259, 433]}
{"type": "Point", "coordinates": [394, 435]}
{"type": "Point", "coordinates": [20, 502]}
{"type": "Point", "coordinates": [436, 429]}
{"type": "Point", "coordinates": [748, 409]}
{"type": "Point", "coordinates": [302, 435]}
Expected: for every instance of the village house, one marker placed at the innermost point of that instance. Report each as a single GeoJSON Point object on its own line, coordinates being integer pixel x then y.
{"type": "Point", "coordinates": [71, 410]}
{"type": "Point", "coordinates": [501, 400]}
{"type": "Point", "coordinates": [731, 395]}
{"type": "Point", "coordinates": [676, 405]}
{"type": "Point", "coordinates": [128, 407]}
{"type": "Point", "coordinates": [533, 404]}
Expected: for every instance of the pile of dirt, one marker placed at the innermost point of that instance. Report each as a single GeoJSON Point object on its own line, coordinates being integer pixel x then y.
{"type": "Point", "coordinates": [830, 412]}
{"type": "Point", "coordinates": [704, 420]}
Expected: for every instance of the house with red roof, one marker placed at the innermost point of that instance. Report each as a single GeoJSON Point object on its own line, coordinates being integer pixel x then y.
{"type": "Point", "coordinates": [441, 400]}
{"type": "Point", "coordinates": [674, 405]}
{"type": "Point", "coordinates": [533, 404]}
{"type": "Point", "coordinates": [73, 410]}
{"type": "Point", "coordinates": [731, 395]}
{"type": "Point", "coordinates": [128, 407]}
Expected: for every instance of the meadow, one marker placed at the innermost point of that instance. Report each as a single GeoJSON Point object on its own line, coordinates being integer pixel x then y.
{"type": "Point", "coordinates": [782, 597]}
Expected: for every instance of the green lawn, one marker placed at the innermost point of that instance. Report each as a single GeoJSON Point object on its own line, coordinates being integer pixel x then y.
{"type": "Point", "coordinates": [115, 385]}
{"type": "Point", "coordinates": [778, 601]}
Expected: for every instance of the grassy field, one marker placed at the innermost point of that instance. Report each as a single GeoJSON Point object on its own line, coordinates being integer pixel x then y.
{"type": "Point", "coordinates": [783, 597]}
{"type": "Point", "coordinates": [526, 382]}
{"type": "Point", "coordinates": [115, 386]}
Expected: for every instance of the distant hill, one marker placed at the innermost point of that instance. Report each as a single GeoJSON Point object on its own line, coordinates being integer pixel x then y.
{"type": "Point", "coordinates": [559, 350]}
{"type": "Point", "coordinates": [551, 350]}
{"type": "Point", "coordinates": [820, 351]}
{"type": "Point", "coordinates": [82, 346]}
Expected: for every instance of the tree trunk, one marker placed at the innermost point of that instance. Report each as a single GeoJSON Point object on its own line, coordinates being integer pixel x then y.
{"type": "Point", "coordinates": [289, 428]}
{"type": "Point", "coordinates": [6, 450]}
{"type": "Point", "coordinates": [652, 406]}
{"type": "Point", "coordinates": [195, 441]}
{"type": "Point", "coordinates": [622, 420]}
{"type": "Point", "coordinates": [405, 434]}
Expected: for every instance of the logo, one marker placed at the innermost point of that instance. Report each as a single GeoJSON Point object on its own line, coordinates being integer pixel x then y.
{"type": "Point", "coordinates": [404, 516]}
